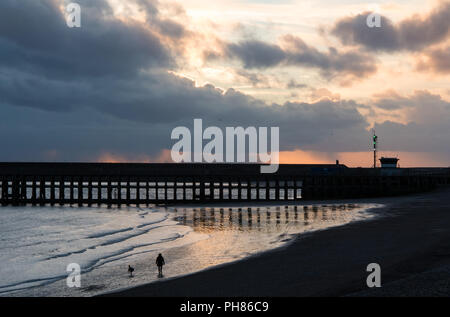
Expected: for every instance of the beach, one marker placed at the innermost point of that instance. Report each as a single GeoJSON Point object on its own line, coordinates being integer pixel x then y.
{"type": "Point", "coordinates": [42, 241]}
{"type": "Point", "coordinates": [410, 242]}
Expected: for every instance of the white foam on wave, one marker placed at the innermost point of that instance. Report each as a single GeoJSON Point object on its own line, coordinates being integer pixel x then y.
{"type": "Point", "coordinates": [37, 243]}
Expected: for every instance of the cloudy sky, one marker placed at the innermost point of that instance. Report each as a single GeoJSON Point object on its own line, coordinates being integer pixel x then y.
{"type": "Point", "coordinates": [113, 89]}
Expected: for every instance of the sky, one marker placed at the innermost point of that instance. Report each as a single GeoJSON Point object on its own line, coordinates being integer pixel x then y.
{"type": "Point", "coordinates": [114, 89]}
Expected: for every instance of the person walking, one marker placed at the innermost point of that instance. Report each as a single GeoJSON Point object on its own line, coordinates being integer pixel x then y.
{"type": "Point", "coordinates": [160, 262]}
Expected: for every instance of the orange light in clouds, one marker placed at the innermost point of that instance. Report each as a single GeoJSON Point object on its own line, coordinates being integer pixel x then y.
{"type": "Point", "coordinates": [162, 157]}
{"type": "Point", "coordinates": [303, 157]}
{"type": "Point", "coordinates": [364, 159]}
{"type": "Point", "coordinates": [350, 159]}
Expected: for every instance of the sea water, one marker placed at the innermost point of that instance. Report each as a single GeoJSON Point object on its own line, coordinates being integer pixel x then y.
{"type": "Point", "coordinates": [37, 243]}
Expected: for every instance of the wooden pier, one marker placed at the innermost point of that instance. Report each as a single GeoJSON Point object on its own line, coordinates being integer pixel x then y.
{"type": "Point", "coordinates": [140, 183]}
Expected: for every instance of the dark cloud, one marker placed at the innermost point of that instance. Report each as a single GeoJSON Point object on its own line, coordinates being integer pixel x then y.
{"type": "Point", "coordinates": [412, 137]}
{"type": "Point", "coordinates": [167, 27]}
{"type": "Point", "coordinates": [257, 54]}
{"type": "Point", "coordinates": [421, 100]}
{"type": "Point", "coordinates": [435, 60]}
{"type": "Point", "coordinates": [254, 78]}
{"type": "Point", "coordinates": [34, 38]}
{"type": "Point", "coordinates": [292, 84]}
{"type": "Point", "coordinates": [428, 117]}
{"type": "Point", "coordinates": [391, 100]}
{"type": "Point", "coordinates": [412, 34]}
{"type": "Point", "coordinates": [144, 111]}
{"type": "Point", "coordinates": [354, 31]}
{"type": "Point", "coordinates": [73, 94]}
{"type": "Point", "coordinates": [86, 133]}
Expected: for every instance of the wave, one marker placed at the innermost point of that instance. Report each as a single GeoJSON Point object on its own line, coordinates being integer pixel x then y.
{"type": "Point", "coordinates": [102, 237]}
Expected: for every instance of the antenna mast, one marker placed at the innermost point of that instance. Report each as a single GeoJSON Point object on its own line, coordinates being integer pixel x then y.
{"type": "Point", "coordinates": [375, 139]}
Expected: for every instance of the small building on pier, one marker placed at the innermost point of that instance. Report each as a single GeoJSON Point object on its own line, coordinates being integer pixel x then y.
{"type": "Point", "coordinates": [389, 162]}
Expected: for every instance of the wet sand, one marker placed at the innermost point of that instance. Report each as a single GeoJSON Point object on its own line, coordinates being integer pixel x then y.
{"type": "Point", "coordinates": [411, 243]}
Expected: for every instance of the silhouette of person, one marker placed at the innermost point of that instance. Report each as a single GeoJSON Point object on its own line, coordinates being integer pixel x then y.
{"type": "Point", "coordinates": [130, 270]}
{"type": "Point", "coordinates": [160, 262]}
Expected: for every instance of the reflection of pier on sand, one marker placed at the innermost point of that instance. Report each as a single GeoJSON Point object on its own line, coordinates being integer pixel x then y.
{"type": "Point", "coordinates": [268, 218]}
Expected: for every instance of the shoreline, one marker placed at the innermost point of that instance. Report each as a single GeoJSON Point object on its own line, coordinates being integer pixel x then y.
{"type": "Point", "coordinates": [189, 259]}
{"type": "Point", "coordinates": [288, 239]}
{"type": "Point", "coordinates": [332, 262]}
{"type": "Point", "coordinates": [377, 205]}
